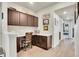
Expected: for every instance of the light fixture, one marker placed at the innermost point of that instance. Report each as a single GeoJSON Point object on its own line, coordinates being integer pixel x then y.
{"type": "Point", "coordinates": [31, 2]}
{"type": "Point", "coordinates": [64, 12]}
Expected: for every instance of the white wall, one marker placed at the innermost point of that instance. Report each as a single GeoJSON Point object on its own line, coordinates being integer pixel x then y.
{"type": "Point", "coordinates": [76, 38]}
{"type": "Point", "coordinates": [57, 28]}
{"type": "Point", "coordinates": [12, 46]}
{"type": "Point", "coordinates": [0, 27]}
{"type": "Point", "coordinates": [5, 38]}
{"type": "Point", "coordinates": [40, 22]}
{"type": "Point", "coordinates": [61, 27]}
{"type": "Point", "coordinates": [21, 30]}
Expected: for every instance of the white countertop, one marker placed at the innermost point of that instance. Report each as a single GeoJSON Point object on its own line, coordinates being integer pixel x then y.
{"type": "Point", "coordinates": [18, 34]}
{"type": "Point", "coordinates": [44, 34]}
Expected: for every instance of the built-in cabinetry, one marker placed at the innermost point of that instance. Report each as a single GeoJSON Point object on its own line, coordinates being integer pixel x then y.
{"type": "Point", "coordinates": [44, 42]}
{"type": "Point", "coordinates": [21, 19]}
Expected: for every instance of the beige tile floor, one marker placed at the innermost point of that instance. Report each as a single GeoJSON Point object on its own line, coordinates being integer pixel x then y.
{"type": "Point", "coordinates": [64, 49]}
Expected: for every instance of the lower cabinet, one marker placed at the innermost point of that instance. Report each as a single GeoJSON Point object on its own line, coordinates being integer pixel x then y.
{"type": "Point", "coordinates": [42, 41]}
{"type": "Point", "coordinates": [19, 43]}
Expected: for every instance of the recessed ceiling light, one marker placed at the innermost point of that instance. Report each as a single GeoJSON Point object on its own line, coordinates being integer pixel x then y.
{"type": "Point", "coordinates": [31, 2]}
{"type": "Point", "coordinates": [64, 12]}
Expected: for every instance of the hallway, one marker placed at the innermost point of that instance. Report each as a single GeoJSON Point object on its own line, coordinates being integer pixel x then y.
{"type": "Point", "coordinates": [65, 49]}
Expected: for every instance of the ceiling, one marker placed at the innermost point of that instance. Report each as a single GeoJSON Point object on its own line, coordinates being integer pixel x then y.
{"type": "Point", "coordinates": [36, 6]}
{"type": "Point", "coordinates": [66, 13]}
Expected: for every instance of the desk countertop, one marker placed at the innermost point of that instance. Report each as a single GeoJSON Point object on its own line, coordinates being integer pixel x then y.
{"type": "Point", "coordinates": [42, 34]}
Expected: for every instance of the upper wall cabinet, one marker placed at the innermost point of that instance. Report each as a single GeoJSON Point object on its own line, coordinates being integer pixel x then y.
{"type": "Point", "coordinates": [35, 22]}
{"type": "Point", "coordinates": [21, 19]}
{"type": "Point", "coordinates": [30, 20]}
{"type": "Point", "coordinates": [13, 17]}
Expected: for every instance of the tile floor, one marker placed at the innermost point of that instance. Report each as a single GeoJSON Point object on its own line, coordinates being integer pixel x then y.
{"type": "Point", "coordinates": [64, 49]}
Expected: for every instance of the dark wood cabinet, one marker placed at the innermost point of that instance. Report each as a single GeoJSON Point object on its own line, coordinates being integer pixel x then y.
{"type": "Point", "coordinates": [30, 20]}
{"type": "Point", "coordinates": [19, 43]}
{"type": "Point", "coordinates": [42, 41]}
{"type": "Point", "coordinates": [35, 21]}
{"type": "Point", "coordinates": [13, 17]}
{"type": "Point", "coordinates": [34, 37]}
{"type": "Point", "coordinates": [23, 19]}
{"type": "Point", "coordinates": [78, 7]}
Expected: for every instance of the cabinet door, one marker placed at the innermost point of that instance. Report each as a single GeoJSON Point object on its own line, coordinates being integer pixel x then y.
{"type": "Point", "coordinates": [34, 39]}
{"type": "Point", "coordinates": [18, 44]}
{"type": "Point", "coordinates": [13, 17]}
{"type": "Point", "coordinates": [30, 20]}
{"type": "Point", "coordinates": [23, 19]}
{"type": "Point", "coordinates": [35, 21]}
{"type": "Point", "coordinates": [38, 41]}
{"type": "Point", "coordinates": [44, 42]}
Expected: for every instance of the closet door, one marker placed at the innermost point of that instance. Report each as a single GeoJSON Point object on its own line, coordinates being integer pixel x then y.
{"type": "Point", "coordinates": [13, 17]}
{"type": "Point", "coordinates": [23, 19]}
